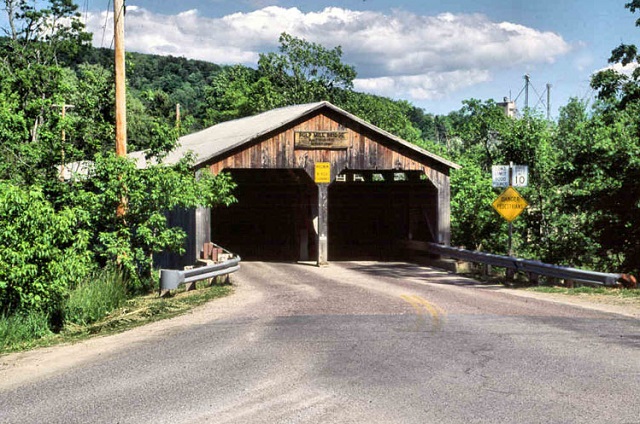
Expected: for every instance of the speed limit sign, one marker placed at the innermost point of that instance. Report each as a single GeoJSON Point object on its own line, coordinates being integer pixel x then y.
{"type": "Point", "coordinates": [520, 176]}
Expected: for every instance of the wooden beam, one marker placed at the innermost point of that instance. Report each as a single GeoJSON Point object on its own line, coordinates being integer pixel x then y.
{"type": "Point", "coordinates": [323, 224]}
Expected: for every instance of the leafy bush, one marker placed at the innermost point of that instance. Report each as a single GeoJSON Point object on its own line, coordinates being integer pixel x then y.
{"type": "Point", "coordinates": [96, 297]}
{"type": "Point", "coordinates": [132, 238]}
{"type": "Point", "coordinates": [41, 251]}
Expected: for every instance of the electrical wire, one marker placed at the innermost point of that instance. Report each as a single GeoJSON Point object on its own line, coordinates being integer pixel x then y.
{"type": "Point", "coordinates": [85, 11]}
{"type": "Point", "coordinates": [104, 27]}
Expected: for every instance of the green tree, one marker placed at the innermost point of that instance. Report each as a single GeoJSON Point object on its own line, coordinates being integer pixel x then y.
{"type": "Point", "coordinates": [132, 239]}
{"type": "Point", "coordinates": [38, 38]}
{"type": "Point", "coordinates": [238, 91]}
{"type": "Point", "coordinates": [616, 88]}
{"type": "Point", "coordinates": [42, 251]}
{"type": "Point", "coordinates": [605, 171]}
{"type": "Point", "coordinates": [392, 116]}
{"type": "Point", "coordinates": [306, 72]}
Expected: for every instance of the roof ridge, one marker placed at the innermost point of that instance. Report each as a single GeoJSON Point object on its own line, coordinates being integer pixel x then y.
{"type": "Point", "coordinates": [218, 139]}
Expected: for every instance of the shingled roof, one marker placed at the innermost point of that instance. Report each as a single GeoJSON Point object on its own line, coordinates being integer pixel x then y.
{"type": "Point", "coordinates": [215, 141]}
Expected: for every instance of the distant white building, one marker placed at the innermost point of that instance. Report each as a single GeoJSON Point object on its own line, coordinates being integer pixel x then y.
{"type": "Point", "coordinates": [509, 107]}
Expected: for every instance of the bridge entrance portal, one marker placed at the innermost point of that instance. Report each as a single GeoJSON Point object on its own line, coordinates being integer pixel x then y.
{"type": "Point", "coordinates": [316, 182]}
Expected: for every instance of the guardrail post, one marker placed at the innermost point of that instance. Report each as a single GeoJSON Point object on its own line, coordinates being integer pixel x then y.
{"type": "Point", "coordinates": [534, 278]}
{"type": "Point", "coordinates": [510, 274]}
{"type": "Point", "coordinates": [486, 270]}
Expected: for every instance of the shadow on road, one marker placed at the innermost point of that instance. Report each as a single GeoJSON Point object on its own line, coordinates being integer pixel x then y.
{"type": "Point", "coordinates": [408, 270]}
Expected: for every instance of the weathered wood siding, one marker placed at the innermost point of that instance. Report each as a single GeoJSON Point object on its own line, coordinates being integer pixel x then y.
{"type": "Point", "coordinates": [366, 151]}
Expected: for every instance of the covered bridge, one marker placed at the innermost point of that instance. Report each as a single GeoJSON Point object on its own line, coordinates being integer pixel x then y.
{"type": "Point", "coordinates": [316, 183]}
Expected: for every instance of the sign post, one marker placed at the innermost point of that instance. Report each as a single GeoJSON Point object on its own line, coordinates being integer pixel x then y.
{"type": "Point", "coordinates": [322, 177]}
{"type": "Point", "coordinates": [510, 203]}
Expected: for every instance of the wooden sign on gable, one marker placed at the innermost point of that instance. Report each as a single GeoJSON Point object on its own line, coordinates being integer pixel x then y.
{"type": "Point", "coordinates": [321, 140]}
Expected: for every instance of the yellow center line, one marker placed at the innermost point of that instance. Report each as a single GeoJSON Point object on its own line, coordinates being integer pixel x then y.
{"type": "Point", "coordinates": [420, 305]}
{"type": "Point", "coordinates": [417, 305]}
{"type": "Point", "coordinates": [438, 310]}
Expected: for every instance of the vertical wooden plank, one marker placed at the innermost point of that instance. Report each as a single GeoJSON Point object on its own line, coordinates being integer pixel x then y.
{"type": "Point", "coordinates": [202, 230]}
{"type": "Point", "coordinates": [441, 181]}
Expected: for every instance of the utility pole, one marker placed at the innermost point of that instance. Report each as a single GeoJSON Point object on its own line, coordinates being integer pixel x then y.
{"type": "Point", "coordinates": [121, 94]}
{"type": "Point", "coordinates": [63, 111]}
{"type": "Point", "coordinates": [178, 116]}
{"type": "Point", "coordinates": [548, 102]}
{"type": "Point", "coordinates": [526, 92]}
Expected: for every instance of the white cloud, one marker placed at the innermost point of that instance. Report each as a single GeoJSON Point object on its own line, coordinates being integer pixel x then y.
{"type": "Point", "coordinates": [619, 68]}
{"type": "Point", "coordinates": [425, 86]}
{"type": "Point", "coordinates": [423, 57]}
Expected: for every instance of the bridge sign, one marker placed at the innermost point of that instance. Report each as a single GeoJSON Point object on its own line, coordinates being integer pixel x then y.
{"type": "Point", "coordinates": [323, 173]}
{"type": "Point", "coordinates": [510, 204]}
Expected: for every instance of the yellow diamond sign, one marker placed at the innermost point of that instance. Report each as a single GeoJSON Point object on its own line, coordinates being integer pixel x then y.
{"type": "Point", "coordinates": [510, 204]}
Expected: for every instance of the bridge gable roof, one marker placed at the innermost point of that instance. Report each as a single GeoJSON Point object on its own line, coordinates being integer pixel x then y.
{"type": "Point", "coordinates": [216, 141]}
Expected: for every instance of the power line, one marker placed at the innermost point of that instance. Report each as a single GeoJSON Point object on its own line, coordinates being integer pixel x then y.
{"type": "Point", "coordinates": [85, 10]}
{"type": "Point", "coordinates": [106, 20]}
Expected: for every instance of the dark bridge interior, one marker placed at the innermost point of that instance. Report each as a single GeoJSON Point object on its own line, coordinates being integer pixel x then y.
{"type": "Point", "coordinates": [273, 219]}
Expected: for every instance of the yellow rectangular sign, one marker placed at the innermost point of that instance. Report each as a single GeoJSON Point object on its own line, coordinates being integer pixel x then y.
{"type": "Point", "coordinates": [323, 173]}
{"type": "Point", "coordinates": [510, 204]}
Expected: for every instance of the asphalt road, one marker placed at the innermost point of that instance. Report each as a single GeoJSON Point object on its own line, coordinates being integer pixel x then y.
{"type": "Point", "coordinates": [354, 342]}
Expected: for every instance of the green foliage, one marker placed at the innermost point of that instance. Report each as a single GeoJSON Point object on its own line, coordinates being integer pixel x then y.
{"type": "Point", "coordinates": [481, 127]}
{"type": "Point", "coordinates": [617, 89]}
{"type": "Point", "coordinates": [23, 329]}
{"type": "Point", "coordinates": [133, 238]}
{"type": "Point", "coordinates": [474, 224]}
{"type": "Point", "coordinates": [607, 190]}
{"type": "Point", "coordinates": [237, 92]}
{"type": "Point", "coordinates": [385, 113]}
{"type": "Point", "coordinates": [42, 252]}
{"type": "Point", "coordinates": [306, 72]}
{"type": "Point", "coordinates": [94, 298]}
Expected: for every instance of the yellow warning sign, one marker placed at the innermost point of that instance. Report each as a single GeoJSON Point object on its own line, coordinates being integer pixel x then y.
{"type": "Point", "coordinates": [323, 173]}
{"type": "Point", "coordinates": [510, 204]}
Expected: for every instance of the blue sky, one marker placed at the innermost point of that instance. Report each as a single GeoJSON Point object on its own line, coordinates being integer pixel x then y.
{"type": "Point", "coordinates": [433, 54]}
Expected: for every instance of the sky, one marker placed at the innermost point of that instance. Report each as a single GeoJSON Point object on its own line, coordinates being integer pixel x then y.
{"type": "Point", "coordinates": [433, 54]}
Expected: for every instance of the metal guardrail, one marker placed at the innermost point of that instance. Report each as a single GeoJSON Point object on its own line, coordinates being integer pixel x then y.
{"type": "Point", "coordinates": [172, 278]}
{"type": "Point", "coordinates": [531, 267]}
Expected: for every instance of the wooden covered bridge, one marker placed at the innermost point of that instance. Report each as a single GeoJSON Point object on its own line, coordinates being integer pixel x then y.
{"type": "Point", "coordinates": [316, 183]}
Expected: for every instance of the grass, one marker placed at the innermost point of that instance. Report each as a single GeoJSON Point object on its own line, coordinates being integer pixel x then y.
{"type": "Point", "coordinates": [95, 298]}
{"type": "Point", "coordinates": [18, 333]}
{"type": "Point", "coordinates": [23, 330]}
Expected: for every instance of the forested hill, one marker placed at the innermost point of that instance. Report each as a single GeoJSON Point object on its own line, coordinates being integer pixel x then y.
{"type": "Point", "coordinates": [209, 93]}
{"type": "Point", "coordinates": [177, 79]}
